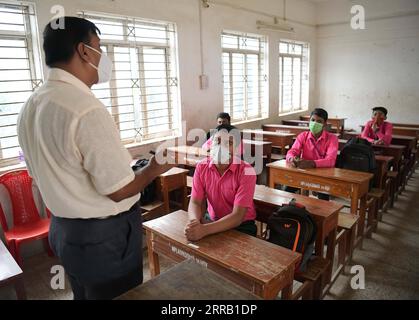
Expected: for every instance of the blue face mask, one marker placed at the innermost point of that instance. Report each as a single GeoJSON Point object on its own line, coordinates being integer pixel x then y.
{"type": "Point", "coordinates": [315, 127]}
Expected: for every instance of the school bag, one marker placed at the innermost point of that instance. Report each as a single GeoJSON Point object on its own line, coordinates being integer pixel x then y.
{"type": "Point", "coordinates": [358, 155]}
{"type": "Point", "coordinates": [291, 226]}
{"type": "Point", "coordinates": [149, 193]}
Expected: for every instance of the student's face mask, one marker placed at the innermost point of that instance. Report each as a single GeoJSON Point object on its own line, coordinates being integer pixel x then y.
{"type": "Point", "coordinates": [220, 154]}
{"type": "Point", "coordinates": [104, 69]}
{"type": "Point", "coordinates": [315, 127]}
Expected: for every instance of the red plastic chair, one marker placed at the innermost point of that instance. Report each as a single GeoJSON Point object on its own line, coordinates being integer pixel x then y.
{"type": "Point", "coordinates": [27, 224]}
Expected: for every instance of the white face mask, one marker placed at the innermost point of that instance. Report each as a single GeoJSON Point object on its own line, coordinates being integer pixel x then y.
{"type": "Point", "coordinates": [220, 154]}
{"type": "Point", "coordinates": [104, 69]}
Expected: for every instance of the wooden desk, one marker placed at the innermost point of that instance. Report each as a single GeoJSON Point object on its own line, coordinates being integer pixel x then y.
{"type": "Point", "coordinates": [261, 267]}
{"type": "Point", "coordinates": [338, 123]}
{"type": "Point", "coordinates": [383, 163]}
{"type": "Point", "coordinates": [406, 125]}
{"type": "Point", "coordinates": [304, 123]}
{"type": "Point", "coordinates": [409, 141]}
{"type": "Point", "coordinates": [324, 213]}
{"type": "Point", "coordinates": [10, 272]}
{"type": "Point", "coordinates": [338, 182]}
{"type": "Point", "coordinates": [281, 140]}
{"type": "Point", "coordinates": [196, 282]}
{"type": "Point", "coordinates": [171, 180]}
{"type": "Point", "coordinates": [188, 155]}
{"type": "Point", "coordinates": [287, 129]}
{"type": "Point", "coordinates": [257, 147]}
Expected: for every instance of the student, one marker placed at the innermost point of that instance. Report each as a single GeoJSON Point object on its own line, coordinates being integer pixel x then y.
{"type": "Point", "coordinates": [74, 154]}
{"type": "Point", "coordinates": [227, 183]}
{"type": "Point", "coordinates": [378, 131]}
{"type": "Point", "coordinates": [222, 118]}
{"type": "Point", "coordinates": [316, 148]}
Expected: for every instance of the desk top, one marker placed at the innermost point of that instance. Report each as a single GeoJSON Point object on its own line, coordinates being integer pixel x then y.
{"type": "Point", "coordinates": [190, 150]}
{"type": "Point", "coordinates": [308, 117]}
{"type": "Point", "coordinates": [330, 173]}
{"type": "Point", "coordinates": [381, 158]}
{"type": "Point", "coordinates": [8, 266]}
{"type": "Point", "coordinates": [234, 250]}
{"type": "Point", "coordinates": [188, 280]}
{"type": "Point", "coordinates": [256, 142]}
{"type": "Point", "coordinates": [320, 209]}
{"type": "Point", "coordinates": [379, 146]}
{"type": "Point", "coordinates": [174, 171]}
{"type": "Point", "coordinates": [268, 133]}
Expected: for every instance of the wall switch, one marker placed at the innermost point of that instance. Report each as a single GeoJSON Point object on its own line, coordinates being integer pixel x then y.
{"type": "Point", "coordinates": [203, 81]}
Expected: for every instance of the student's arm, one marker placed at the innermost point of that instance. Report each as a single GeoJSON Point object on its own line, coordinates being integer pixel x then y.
{"type": "Point", "coordinates": [195, 231]}
{"type": "Point", "coordinates": [366, 132]}
{"type": "Point", "coordinates": [387, 136]}
{"type": "Point", "coordinates": [329, 160]}
{"type": "Point", "coordinates": [296, 148]}
{"type": "Point", "coordinates": [196, 209]}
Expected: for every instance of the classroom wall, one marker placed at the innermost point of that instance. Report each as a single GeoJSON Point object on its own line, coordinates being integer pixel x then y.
{"type": "Point", "coordinates": [377, 66]}
{"type": "Point", "coordinates": [199, 107]}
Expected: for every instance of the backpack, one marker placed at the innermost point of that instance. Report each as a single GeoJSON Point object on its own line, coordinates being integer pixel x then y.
{"type": "Point", "coordinates": [291, 226]}
{"type": "Point", "coordinates": [358, 155]}
{"type": "Point", "coordinates": [149, 192]}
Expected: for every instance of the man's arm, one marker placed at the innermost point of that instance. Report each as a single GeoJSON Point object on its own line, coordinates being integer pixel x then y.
{"type": "Point", "coordinates": [143, 177]}
{"type": "Point", "coordinates": [366, 132]}
{"type": "Point", "coordinates": [296, 148]}
{"type": "Point", "coordinates": [329, 160]}
{"type": "Point", "coordinates": [388, 134]}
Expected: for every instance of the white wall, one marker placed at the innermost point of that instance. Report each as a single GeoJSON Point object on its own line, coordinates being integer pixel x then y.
{"type": "Point", "coordinates": [358, 70]}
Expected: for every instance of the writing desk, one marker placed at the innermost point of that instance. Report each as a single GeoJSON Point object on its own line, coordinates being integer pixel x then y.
{"type": "Point", "coordinates": [260, 267]}
{"type": "Point", "coordinates": [281, 140]}
{"type": "Point", "coordinates": [10, 272]}
{"type": "Point", "coordinates": [338, 123]}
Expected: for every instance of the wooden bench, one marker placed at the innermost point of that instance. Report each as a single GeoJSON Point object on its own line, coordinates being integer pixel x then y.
{"type": "Point", "coordinates": [11, 273]}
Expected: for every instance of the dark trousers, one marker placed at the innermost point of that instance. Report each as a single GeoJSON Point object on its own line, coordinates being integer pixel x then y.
{"type": "Point", "coordinates": [321, 196]}
{"type": "Point", "coordinates": [102, 257]}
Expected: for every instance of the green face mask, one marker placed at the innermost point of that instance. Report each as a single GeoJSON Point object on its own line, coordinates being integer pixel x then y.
{"type": "Point", "coordinates": [315, 127]}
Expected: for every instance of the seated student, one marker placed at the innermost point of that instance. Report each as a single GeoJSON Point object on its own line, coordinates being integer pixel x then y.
{"type": "Point", "coordinates": [378, 131]}
{"type": "Point", "coordinates": [222, 118]}
{"type": "Point", "coordinates": [316, 148]}
{"type": "Point", "coordinates": [227, 183]}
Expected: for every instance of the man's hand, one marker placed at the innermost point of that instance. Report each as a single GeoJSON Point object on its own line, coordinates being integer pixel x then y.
{"type": "Point", "coordinates": [194, 230]}
{"type": "Point", "coordinates": [306, 164]}
{"type": "Point", "coordinates": [375, 126]}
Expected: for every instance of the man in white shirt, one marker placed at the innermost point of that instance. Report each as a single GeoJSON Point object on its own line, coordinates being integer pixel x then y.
{"type": "Point", "coordinates": [73, 152]}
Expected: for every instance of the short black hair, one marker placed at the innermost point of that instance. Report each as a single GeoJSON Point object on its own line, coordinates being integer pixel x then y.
{"type": "Point", "coordinates": [381, 109]}
{"type": "Point", "coordinates": [60, 43]}
{"type": "Point", "coordinates": [320, 112]}
{"type": "Point", "coordinates": [236, 132]}
{"type": "Point", "coordinates": [224, 115]}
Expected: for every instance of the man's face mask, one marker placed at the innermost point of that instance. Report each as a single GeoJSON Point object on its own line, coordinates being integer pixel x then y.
{"type": "Point", "coordinates": [315, 127]}
{"type": "Point", "coordinates": [220, 153]}
{"type": "Point", "coordinates": [104, 69]}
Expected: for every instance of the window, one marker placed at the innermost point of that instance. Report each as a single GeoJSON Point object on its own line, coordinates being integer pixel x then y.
{"type": "Point", "coordinates": [142, 95]}
{"type": "Point", "coordinates": [293, 76]}
{"type": "Point", "coordinates": [244, 76]}
{"type": "Point", "coordinates": [20, 72]}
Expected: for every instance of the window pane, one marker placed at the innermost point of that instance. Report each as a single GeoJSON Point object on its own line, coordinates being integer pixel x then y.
{"type": "Point", "coordinates": [238, 76]}
{"type": "Point", "coordinates": [229, 41]}
{"type": "Point", "coordinates": [252, 85]}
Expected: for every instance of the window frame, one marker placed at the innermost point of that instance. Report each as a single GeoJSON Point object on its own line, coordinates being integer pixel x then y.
{"type": "Point", "coordinates": [304, 57]}
{"type": "Point", "coordinates": [262, 77]}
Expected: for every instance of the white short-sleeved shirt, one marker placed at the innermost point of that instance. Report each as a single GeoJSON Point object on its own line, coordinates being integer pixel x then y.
{"type": "Point", "coordinates": [73, 150]}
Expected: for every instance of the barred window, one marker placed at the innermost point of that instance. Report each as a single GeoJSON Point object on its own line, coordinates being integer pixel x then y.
{"type": "Point", "coordinates": [244, 76]}
{"type": "Point", "coordinates": [293, 76]}
{"type": "Point", "coordinates": [20, 72]}
{"type": "Point", "coordinates": [142, 95]}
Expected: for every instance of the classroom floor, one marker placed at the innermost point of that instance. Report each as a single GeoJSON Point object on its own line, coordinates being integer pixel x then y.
{"type": "Point", "coordinates": [390, 260]}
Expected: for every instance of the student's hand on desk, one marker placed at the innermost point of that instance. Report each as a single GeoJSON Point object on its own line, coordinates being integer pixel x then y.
{"type": "Point", "coordinates": [194, 230]}
{"type": "Point", "coordinates": [306, 164]}
{"type": "Point", "coordinates": [379, 142]}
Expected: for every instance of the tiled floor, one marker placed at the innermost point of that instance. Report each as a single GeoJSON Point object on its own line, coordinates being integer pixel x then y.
{"type": "Point", "coordinates": [390, 260]}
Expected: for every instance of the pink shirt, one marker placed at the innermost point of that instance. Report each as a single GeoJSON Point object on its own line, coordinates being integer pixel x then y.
{"type": "Point", "coordinates": [236, 187]}
{"type": "Point", "coordinates": [385, 131]}
{"type": "Point", "coordinates": [323, 151]}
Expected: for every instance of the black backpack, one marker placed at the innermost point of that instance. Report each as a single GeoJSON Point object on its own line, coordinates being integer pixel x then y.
{"type": "Point", "coordinates": [358, 155]}
{"type": "Point", "coordinates": [292, 227]}
{"type": "Point", "coordinates": [149, 193]}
